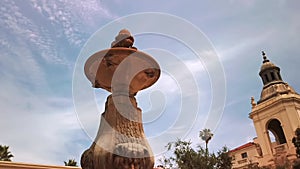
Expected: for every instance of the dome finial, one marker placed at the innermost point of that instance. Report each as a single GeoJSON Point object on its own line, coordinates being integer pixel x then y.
{"type": "Point", "coordinates": [264, 57]}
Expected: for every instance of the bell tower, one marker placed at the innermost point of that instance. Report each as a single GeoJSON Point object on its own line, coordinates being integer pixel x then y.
{"type": "Point", "coordinates": [276, 116]}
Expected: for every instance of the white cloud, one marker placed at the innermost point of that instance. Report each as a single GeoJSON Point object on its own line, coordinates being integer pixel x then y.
{"type": "Point", "coordinates": [21, 68]}
{"type": "Point", "coordinates": [195, 65]}
{"type": "Point", "coordinates": [36, 130]}
{"type": "Point", "coordinates": [236, 50]}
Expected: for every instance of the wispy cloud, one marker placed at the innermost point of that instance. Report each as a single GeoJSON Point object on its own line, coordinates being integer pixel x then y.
{"type": "Point", "coordinates": [55, 21]}
{"type": "Point", "coordinates": [70, 16]}
{"type": "Point", "coordinates": [25, 32]}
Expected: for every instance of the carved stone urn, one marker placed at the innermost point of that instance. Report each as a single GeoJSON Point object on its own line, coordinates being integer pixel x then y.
{"type": "Point", "coordinates": [122, 70]}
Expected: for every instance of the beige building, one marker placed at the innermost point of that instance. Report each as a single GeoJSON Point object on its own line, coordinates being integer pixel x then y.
{"type": "Point", "coordinates": [276, 116]}
{"type": "Point", "coordinates": [14, 165]}
{"type": "Point", "coordinates": [244, 155]}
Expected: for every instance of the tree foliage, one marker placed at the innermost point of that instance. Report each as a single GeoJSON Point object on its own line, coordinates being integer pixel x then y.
{"type": "Point", "coordinates": [224, 160]}
{"type": "Point", "coordinates": [71, 162]}
{"type": "Point", "coordinates": [206, 135]}
{"type": "Point", "coordinates": [185, 157]}
{"type": "Point", "coordinates": [5, 154]}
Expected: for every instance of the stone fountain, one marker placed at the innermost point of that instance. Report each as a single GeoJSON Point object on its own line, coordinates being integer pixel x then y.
{"type": "Point", "coordinates": [122, 70]}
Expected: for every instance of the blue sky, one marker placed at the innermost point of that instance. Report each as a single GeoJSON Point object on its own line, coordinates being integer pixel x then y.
{"type": "Point", "coordinates": [44, 44]}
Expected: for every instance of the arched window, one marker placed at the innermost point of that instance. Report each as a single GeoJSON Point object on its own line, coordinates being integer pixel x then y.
{"type": "Point", "coordinates": [267, 78]}
{"type": "Point", "coordinates": [273, 76]}
{"type": "Point", "coordinates": [274, 126]}
{"type": "Point", "coordinates": [278, 74]}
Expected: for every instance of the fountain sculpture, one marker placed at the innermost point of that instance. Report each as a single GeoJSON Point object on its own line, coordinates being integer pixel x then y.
{"type": "Point", "coordinates": [122, 70]}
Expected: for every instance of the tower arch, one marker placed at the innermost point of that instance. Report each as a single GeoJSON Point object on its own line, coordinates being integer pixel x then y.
{"type": "Point", "coordinates": [274, 126]}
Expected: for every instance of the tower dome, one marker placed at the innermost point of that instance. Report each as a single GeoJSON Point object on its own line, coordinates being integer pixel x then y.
{"type": "Point", "coordinates": [272, 81]}
{"type": "Point", "coordinates": [269, 72]}
{"type": "Point", "coordinates": [268, 65]}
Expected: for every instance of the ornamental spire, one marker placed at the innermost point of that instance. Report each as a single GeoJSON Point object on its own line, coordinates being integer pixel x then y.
{"type": "Point", "coordinates": [264, 57]}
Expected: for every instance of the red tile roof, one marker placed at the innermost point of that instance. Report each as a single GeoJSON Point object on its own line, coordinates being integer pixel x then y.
{"type": "Point", "coordinates": [243, 147]}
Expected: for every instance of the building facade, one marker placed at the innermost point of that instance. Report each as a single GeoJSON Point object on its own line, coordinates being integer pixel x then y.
{"type": "Point", "coordinates": [276, 116]}
{"type": "Point", "coordinates": [15, 165]}
{"type": "Point", "coordinates": [244, 155]}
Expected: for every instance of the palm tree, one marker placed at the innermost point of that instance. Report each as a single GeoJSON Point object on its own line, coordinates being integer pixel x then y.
{"type": "Point", "coordinates": [206, 135]}
{"type": "Point", "coordinates": [5, 155]}
{"type": "Point", "coordinates": [71, 162]}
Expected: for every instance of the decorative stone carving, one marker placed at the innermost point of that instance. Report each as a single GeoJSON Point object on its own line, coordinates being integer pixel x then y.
{"type": "Point", "coordinates": [258, 149]}
{"type": "Point", "coordinates": [121, 141]}
{"type": "Point", "coordinates": [276, 90]}
{"type": "Point", "coordinates": [253, 103]}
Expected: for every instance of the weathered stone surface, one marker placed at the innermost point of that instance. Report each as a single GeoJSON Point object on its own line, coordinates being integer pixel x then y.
{"type": "Point", "coordinates": [128, 68]}
{"type": "Point", "coordinates": [120, 141]}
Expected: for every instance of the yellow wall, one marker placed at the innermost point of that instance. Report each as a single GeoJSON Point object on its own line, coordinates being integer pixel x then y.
{"type": "Point", "coordinates": [14, 165]}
